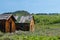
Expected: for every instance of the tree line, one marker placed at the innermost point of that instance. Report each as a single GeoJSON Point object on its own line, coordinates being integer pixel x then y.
{"type": "Point", "coordinates": [23, 12]}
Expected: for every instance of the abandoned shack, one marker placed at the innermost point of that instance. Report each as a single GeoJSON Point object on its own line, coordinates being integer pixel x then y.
{"type": "Point", "coordinates": [25, 23]}
{"type": "Point", "coordinates": [7, 23]}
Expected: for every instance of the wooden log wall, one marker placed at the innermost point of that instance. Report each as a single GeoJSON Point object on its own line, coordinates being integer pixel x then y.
{"type": "Point", "coordinates": [8, 25]}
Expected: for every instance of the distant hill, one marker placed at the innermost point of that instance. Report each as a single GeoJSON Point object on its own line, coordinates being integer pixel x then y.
{"type": "Point", "coordinates": [19, 13]}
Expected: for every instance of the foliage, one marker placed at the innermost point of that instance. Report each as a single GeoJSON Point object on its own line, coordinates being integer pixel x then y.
{"type": "Point", "coordinates": [21, 13]}
{"type": "Point", "coordinates": [18, 13]}
{"type": "Point", "coordinates": [47, 19]}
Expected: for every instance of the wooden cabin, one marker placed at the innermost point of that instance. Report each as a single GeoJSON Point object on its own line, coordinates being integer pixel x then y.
{"type": "Point", "coordinates": [25, 23]}
{"type": "Point", "coordinates": [7, 23]}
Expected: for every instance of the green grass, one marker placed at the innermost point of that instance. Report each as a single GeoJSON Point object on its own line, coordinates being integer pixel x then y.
{"type": "Point", "coordinates": [29, 37]}
{"type": "Point", "coordinates": [47, 19]}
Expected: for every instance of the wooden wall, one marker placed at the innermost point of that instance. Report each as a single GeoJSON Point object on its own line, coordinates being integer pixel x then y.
{"type": "Point", "coordinates": [32, 25]}
{"type": "Point", "coordinates": [23, 26]}
{"type": "Point", "coordinates": [7, 27]}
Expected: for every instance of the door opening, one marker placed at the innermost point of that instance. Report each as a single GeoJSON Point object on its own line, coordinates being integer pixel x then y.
{"type": "Point", "coordinates": [10, 26]}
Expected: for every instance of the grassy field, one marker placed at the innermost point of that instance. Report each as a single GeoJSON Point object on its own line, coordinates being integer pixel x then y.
{"type": "Point", "coordinates": [47, 24]}
{"type": "Point", "coordinates": [47, 27]}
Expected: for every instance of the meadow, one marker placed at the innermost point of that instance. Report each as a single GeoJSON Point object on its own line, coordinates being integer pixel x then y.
{"type": "Point", "coordinates": [47, 27]}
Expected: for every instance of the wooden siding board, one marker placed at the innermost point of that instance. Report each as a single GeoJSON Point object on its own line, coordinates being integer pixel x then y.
{"type": "Point", "coordinates": [7, 26]}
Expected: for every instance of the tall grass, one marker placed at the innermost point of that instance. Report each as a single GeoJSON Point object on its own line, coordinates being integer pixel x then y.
{"type": "Point", "coordinates": [47, 19]}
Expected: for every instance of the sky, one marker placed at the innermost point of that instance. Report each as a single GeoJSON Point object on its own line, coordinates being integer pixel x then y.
{"type": "Point", "coordinates": [32, 6]}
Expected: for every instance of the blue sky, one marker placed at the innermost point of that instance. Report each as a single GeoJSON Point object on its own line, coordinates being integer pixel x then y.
{"type": "Point", "coordinates": [32, 6]}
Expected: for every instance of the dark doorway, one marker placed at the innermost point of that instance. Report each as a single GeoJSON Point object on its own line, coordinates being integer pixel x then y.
{"type": "Point", "coordinates": [10, 26]}
{"type": "Point", "coordinates": [2, 25]}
